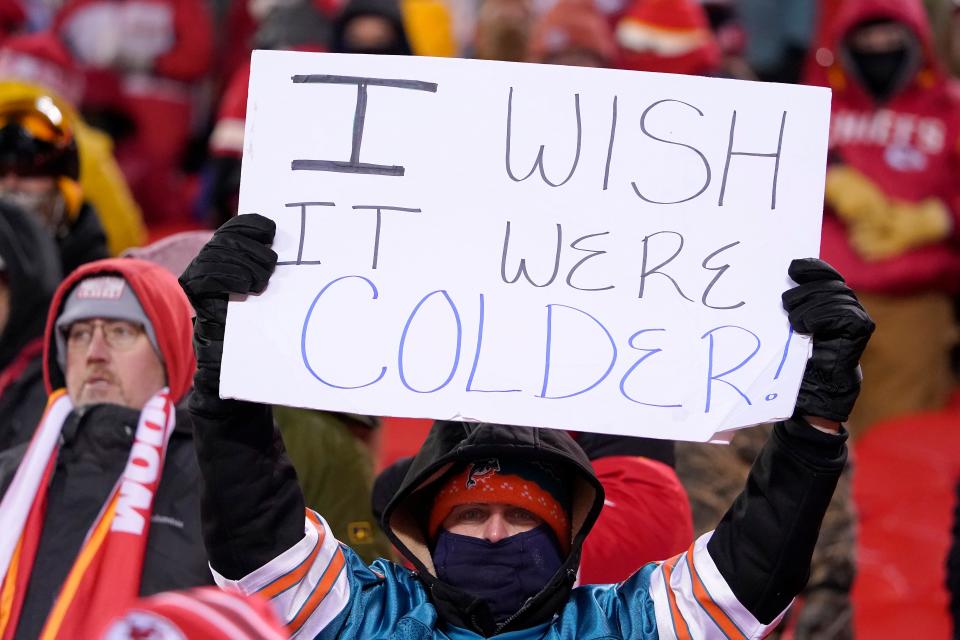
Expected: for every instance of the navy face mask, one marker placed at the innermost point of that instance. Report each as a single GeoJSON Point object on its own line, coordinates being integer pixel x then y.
{"type": "Point", "coordinates": [504, 574]}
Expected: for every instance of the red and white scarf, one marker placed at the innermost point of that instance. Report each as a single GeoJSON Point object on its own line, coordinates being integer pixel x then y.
{"type": "Point", "coordinates": [105, 575]}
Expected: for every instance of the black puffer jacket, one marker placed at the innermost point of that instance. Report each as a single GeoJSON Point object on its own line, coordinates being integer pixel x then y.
{"type": "Point", "coordinates": [32, 272]}
{"type": "Point", "coordinates": [95, 448]}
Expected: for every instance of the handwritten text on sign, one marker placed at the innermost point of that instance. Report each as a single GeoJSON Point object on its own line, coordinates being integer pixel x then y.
{"type": "Point", "coordinates": [574, 248]}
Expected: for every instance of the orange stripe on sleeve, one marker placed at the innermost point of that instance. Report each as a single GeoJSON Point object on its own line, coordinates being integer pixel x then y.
{"type": "Point", "coordinates": [297, 574]}
{"type": "Point", "coordinates": [718, 615]}
{"type": "Point", "coordinates": [319, 593]}
{"type": "Point", "coordinates": [680, 627]}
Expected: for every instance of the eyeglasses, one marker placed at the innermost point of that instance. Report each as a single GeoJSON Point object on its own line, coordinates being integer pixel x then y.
{"type": "Point", "coordinates": [119, 334]}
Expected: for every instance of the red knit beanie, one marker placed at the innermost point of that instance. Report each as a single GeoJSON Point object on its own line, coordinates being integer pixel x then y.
{"type": "Point", "coordinates": [534, 486]}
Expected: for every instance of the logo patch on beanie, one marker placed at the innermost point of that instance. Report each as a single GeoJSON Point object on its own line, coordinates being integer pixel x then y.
{"type": "Point", "coordinates": [102, 288]}
{"type": "Point", "coordinates": [481, 469]}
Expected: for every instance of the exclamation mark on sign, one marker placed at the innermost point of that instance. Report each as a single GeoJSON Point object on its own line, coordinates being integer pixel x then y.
{"type": "Point", "coordinates": [783, 360]}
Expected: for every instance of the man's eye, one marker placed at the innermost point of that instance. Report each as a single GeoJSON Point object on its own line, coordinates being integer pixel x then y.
{"type": "Point", "coordinates": [522, 515]}
{"type": "Point", "coordinates": [79, 333]}
{"type": "Point", "coordinates": [121, 331]}
{"type": "Point", "coordinates": [471, 515]}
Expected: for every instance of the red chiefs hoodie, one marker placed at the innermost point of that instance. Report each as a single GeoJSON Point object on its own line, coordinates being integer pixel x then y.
{"type": "Point", "coordinates": [162, 300]}
{"type": "Point", "coordinates": [908, 147]}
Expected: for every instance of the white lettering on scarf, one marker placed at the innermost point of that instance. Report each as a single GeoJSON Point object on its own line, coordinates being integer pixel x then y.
{"type": "Point", "coordinates": [143, 469]}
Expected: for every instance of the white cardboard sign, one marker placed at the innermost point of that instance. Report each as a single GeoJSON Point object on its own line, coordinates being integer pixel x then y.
{"type": "Point", "coordinates": [585, 249]}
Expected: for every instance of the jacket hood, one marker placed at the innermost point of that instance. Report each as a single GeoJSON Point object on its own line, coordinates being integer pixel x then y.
{"type": "Point", "coordinates": [452, 444]}
{"type": "Point", "coordinates": [162, 300]}
{"type": "Point", "coordinates": [387, 9]}
{"type": "Point", "coordinates": [32, 273]}
{"type": "Point", "coordinates": [855, 12]}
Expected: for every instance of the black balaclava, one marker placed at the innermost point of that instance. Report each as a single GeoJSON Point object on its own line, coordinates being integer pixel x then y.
{"type": "Point", "coordinates": [884, 73]}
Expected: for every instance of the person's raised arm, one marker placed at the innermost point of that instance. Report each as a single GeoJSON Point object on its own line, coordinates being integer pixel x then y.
{"type": "Point", "coordinates": [253, 509]}
{"type": "Point", "coordinates": [739, 579]}
{"type": "Point", "coordinates": [764, 543]}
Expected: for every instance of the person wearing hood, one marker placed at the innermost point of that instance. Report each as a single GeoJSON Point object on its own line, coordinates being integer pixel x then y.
{"type": "Point", "coordinates": [371, 26]}
{"type": "Point", "coordinates": [642, 495]}
{"type": "Point", "coordinates": [29, 274]}
{"type": "Point", "coordinates": [892, 199]}
{"type": "Point", "coordinates": [40, 172]}
{"type": "Point", "coordinates": [493, 517]}
{"type": "Point", "coordinates": [103, 505]}
{"type": "Point", "coordinates": [27, 74]}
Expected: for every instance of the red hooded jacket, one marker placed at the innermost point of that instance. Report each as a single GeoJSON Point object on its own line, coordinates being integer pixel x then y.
{"type": "Point", "coordinates": [162, 300]}
{"type": "Point", "coordinates": [908, 147]}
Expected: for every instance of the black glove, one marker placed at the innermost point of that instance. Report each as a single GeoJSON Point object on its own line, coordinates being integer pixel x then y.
{"type": "Point", "coordinates": [824, 307]}
{"type": "Point", "coordinates": [237, 259]}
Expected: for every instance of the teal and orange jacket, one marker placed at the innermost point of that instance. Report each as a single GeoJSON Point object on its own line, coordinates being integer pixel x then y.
{"type": "Point", "coordinates": [735, 582]}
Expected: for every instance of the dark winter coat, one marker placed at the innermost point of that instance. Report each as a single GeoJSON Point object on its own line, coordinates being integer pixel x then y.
{"type": "Point", "coordinates": [95, 449]}
{"type": "Point", "coordinates": [84, 241]}
{"type": "Point", "coordinates": [32, 272]}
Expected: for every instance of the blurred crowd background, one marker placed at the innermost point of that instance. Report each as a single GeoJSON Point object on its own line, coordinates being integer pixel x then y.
{"type": "Point", "coordinates": [165, 80]}
{"type": "Point", "coordinates": [121, 128]}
